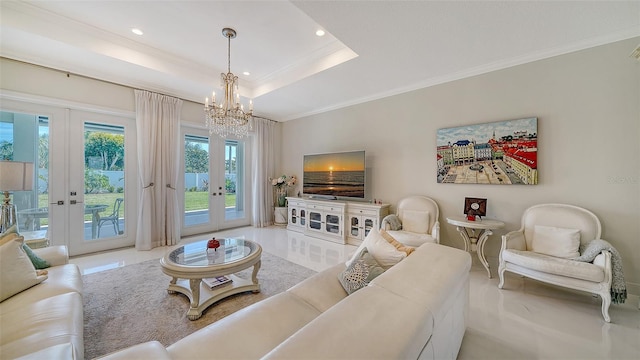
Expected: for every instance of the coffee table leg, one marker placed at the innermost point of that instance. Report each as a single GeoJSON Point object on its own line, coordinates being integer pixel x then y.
{"type": "Point", "coordinates": [194, 313]}
{"type": "Point", "coordinates": [172, 282]}
{"type": "Point", "coordinates": [254, 276]}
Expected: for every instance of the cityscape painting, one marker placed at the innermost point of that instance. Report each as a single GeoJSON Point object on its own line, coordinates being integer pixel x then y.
{"type": "Point", "coordinates": [503, 153]}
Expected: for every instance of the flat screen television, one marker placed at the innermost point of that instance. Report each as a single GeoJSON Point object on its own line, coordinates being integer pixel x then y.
{"type": "Point", "coordinates": [334, 175]}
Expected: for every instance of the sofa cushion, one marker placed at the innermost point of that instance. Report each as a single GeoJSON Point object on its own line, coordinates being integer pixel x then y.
{"type": "Point", "coordinates": [322, 290]}
{"type": "Point", "coordinates": [556, 241]}
{"type": "Point", "coordinates": [416, 221]}
{"type": "Point", "coordinates": [60, 351]}
{"type": "Point", "coordinates": [384, 253]}
{"type": "Point", "coordinates": [43, 324]}
{"type": "Point", "coordinates": [411, 239]}
{"type": "Point", "coordinates": [148, 350]}
{"type": "Point", "coordinates": [356, 328]}
{"type": "Point", "coordinates": [16, 270]}
{"type": "Point", "coordinates": [360, 272]}
{"type": "Point", "coordinates": [447, 269]}
{"type": "Point", "coordinates": [248, 333]}
{"type": "Point", "coordinates": [554, 265]}
{"type": "Point", "coordinates": [62, 279]}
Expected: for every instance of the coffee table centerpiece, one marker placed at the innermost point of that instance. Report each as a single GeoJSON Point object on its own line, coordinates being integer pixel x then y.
{"type": "Point", "coordinates": [189, 264]}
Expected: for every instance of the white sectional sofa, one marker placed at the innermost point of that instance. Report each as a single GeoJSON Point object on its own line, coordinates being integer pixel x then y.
{"type": "Point", "coordinates": [45, 321]}
{"type": "Point", "coordinates": [417, 309]}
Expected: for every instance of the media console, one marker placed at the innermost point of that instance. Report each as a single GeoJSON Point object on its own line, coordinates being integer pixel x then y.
{"type": "Point", "coordinates": [334, 220]}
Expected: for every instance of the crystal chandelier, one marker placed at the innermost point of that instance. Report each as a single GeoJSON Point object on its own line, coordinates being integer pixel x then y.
{"type": "Point", "coordinates": [228, 117]}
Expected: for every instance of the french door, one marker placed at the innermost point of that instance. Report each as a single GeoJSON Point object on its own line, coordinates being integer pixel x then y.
{"type": "Point", "coordinates": [216, 182]}
{"type": "Point", "coordinates": [84, 162]}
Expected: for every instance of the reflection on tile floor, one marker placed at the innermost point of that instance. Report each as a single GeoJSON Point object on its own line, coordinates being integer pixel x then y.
{"type": "Point", "coordinates": [525, 320]}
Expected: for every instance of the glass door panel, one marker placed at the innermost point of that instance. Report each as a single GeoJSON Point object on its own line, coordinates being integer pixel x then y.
{"type": "Point", "coordinates": [25, 137]}
{"type": "Point", "coordinates": [196, 181]}
{"type": "Point", "coordinates": [104, 179]}
{"type": "Point", "coordinates": [102, 175]}
{"type": "Point", "coordinates": [215, 191]}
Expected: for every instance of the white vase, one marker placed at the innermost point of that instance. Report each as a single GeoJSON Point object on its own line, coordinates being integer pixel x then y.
{"type": "Point", "coordinates": [280, 215]}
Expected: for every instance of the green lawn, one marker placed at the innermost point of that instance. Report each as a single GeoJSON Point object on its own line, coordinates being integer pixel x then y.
{"type": "Point", "coordinates": [194, 200]}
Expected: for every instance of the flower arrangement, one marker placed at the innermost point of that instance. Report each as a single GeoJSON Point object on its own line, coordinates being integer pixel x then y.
{"type": "Point", "coordinates": [280, 184]}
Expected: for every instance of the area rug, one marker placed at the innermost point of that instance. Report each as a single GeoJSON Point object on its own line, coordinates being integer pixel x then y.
{"type": "Point", "coordinates": [130, 305]}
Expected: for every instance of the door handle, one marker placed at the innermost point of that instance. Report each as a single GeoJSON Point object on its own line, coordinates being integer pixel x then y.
{"type": "Point", "coordinates": [72, 202]}
{"type": "Point", "coordinates": [60, 202]}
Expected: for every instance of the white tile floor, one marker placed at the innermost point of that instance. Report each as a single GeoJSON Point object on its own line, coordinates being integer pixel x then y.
{"type": "Point", "coordinates": [526, 320]}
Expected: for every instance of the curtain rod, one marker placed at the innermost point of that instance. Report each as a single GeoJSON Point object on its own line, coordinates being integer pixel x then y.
{"type": "Point", "coordinates": [69, 73]}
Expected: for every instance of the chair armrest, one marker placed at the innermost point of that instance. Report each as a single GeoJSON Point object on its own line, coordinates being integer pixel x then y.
{"type": "Point", "coordinates": [54, 255]}
{"type": "Point", "coordinates": [435, 232]}
{"type": "Point", "coordinates": [514, 240]}
{"type": "Point", "coordinates": [603, 259]}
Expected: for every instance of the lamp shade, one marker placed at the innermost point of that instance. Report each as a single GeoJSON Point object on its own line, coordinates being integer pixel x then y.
{"type": "Point", "coordinates": [16, 176]}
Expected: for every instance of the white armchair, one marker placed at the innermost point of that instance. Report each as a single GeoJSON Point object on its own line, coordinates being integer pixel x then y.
{"type": "Point", "coordinates": [415, 222]}
{"type": "Point", "coordinates": [545, 244]}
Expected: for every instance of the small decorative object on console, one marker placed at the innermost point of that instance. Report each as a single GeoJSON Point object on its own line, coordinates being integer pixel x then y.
{"type": "Point", "coordinates": [213, 244]}
{"type": "Point", "coordinates": [475, 207]}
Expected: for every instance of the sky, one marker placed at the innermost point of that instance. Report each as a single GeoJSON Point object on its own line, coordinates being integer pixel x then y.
{"type": "Point", "coordinates": [481, 133]}
{"type": "Point", "coordinates": [346, 161]}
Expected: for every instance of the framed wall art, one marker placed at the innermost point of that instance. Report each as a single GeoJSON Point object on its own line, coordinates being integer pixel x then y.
{"type": "Point", "coordinates": [500, 153]}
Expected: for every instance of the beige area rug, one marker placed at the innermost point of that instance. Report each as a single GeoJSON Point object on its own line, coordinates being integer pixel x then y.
{"type": "Point", "coordinates": [130, 305]}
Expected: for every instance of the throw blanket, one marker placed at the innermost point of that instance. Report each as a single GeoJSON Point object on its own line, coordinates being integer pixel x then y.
{"type": "Point", "coordinates": [618, 286]}
{"type": "Point", "coordinates": [393, 221]}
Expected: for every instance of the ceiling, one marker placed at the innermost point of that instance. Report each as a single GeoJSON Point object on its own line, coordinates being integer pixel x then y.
{"type": "Point", "coordinates": [371, 49]}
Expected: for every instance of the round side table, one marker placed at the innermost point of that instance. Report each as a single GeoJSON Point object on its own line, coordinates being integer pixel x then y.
{"type": "Point", "coordinates": [475, 234]}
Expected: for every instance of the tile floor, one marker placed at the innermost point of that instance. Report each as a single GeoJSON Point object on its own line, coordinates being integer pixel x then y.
{"type": "Point", "coordinates": [526, 320]}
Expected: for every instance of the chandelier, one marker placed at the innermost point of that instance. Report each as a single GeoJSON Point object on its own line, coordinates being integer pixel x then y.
{"type": "Point", "coordinates": [228, 117]}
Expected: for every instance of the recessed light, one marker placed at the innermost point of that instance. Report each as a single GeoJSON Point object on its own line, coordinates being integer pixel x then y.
{"type": "Point", "coordinates": [320, 32]}
{"type": "Point", "coordinates": [137, 31]}
{"type": "Point", "coordinates": [246, 73]}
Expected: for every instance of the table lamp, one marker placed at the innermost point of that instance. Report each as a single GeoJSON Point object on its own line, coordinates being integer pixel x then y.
{"type": "Point", "coordinates": [14, 176]}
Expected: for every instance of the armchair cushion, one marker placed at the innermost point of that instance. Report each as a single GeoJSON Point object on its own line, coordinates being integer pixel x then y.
{"type": "Point", "coordinates": [554, 265]}
{"type": "Point", "coordinates": [416, 221]}
{"type": "Point", "coordinates": [556, 241]}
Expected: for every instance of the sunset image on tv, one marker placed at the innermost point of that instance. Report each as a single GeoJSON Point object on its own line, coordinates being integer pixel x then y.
{"type": "Point", "coordinates": [337, 174]}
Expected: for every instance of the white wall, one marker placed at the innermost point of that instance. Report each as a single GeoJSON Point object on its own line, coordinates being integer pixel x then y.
{"type": "Point", "coordinates": [35, 80]}
{"type": "Point", "coordinates": [588, 109]}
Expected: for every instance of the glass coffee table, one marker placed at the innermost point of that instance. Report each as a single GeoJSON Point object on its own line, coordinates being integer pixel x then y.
{"type": "Point", "coordinates": [189, 264]}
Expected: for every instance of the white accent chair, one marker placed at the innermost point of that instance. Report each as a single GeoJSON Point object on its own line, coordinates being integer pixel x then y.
{"type": "Point", "coordinates": [517, 255]}
{"type": "Point", "coordinates": [418, 216]}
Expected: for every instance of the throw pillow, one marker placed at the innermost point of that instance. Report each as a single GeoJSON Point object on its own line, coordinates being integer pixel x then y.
{"type": "Point", "coordinates": [16, 270]}
{"type": "Point", "coordinates": [9, 234]}
{"type": "Point", "coordinates": [398, 245]}
{"type": "Point", "coordinates": [555, 241]}
{"type": "Point", "coordinates": [384, 253]}
{"type": "Point", "coordinates": [360, 273]}
{"type": "Point", "coordinates": [416, 221]}
{"type": "Point", "coordinates": [38, 262]}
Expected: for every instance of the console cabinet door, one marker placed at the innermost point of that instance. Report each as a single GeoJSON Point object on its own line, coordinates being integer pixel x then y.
{"type": "Point", "coordinates": [315, 221]}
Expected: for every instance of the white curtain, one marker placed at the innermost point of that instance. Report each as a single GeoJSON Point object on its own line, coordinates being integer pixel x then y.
{"type": "Point", "coordinates": [263, 164]}
{"type": "Point", "coordinates": [157, 124]}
